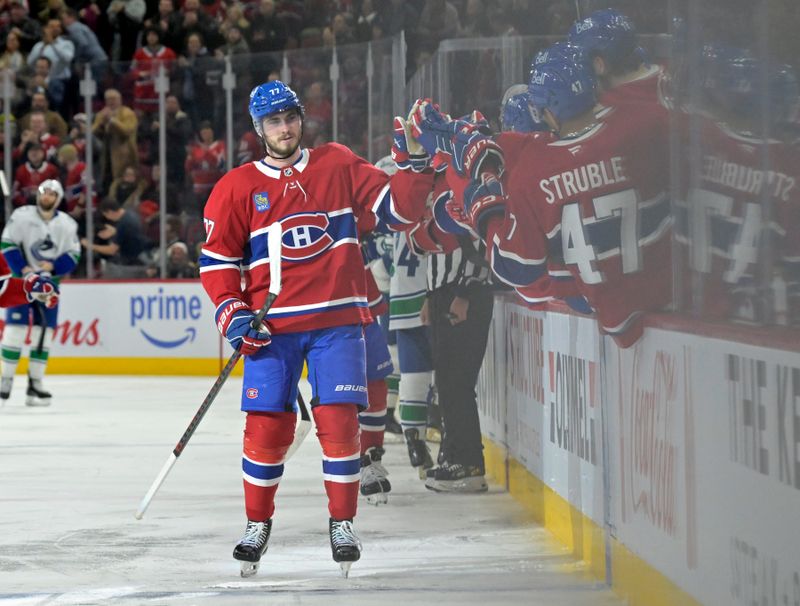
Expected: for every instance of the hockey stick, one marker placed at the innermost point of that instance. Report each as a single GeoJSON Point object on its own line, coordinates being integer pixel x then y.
{"type": "Point", "coordinates": [303, 427]}
{"type": "Point", "coordinates": [274, 250]}
{"type": "Point", "coordinates": [42, 313]}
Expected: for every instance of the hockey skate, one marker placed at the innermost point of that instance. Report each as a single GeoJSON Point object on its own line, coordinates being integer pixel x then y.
{"type": "Point", "coordinates": [5, 389]}
{"type": "Point", "coordinates": [252, 546]}
{"type": "Point", "coordinates": [36, 395]}
{"type": "Point", "coordinates": [345, 546]}
{"type": "Point", "coordinates": [454, 477]}
{"type": "Point", "coordinates": [374, 484]}
{"type": "Point", "coordinates": [418, 453]}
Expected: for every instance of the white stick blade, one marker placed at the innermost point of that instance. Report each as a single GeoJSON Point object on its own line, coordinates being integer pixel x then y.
{"type": "Point", "coordinates": [274, 235]}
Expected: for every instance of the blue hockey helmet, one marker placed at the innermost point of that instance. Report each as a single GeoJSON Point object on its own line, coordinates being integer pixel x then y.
{"type": "Point", "coordinates": [270, 98]}
{"type": "Point", "coordinates": [566, 88]}
{"type": "Point", "coordinates": [515, 112]}
{"type": "Point", "coordinates": [607, 33]}
{"type": "Point", "coordinates": [564, 50]}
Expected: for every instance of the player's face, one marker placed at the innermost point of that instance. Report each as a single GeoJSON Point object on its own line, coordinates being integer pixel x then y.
{"type": "Point", "coordinates": [48, 200]}
{"type": "Point", "coordinates": [282, 133]}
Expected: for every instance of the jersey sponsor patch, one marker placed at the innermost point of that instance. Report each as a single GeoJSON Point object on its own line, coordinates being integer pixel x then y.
{"type": "Point", "coordinates": [261, 200]}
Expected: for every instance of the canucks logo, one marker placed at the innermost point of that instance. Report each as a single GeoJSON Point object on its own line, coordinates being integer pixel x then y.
{"type": "Point", "coordinates": [261, 200]}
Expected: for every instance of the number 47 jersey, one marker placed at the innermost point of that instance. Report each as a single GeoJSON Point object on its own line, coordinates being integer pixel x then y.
{"type": "Point", "coordinates": [589, 216]}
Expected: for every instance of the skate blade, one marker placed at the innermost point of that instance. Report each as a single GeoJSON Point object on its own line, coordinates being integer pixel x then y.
{"type": "Point", "coordinates": [37, 403]}
{"type": "Point", "coordinates": [248, 569]}
{"type": "Point", "coordinates": [345, 566]}
{"type": "Point", "coordinates": [379, 498]}
{"type": "Point", "coordinates": [459, 486]}
{"type": "Point", "coordinates": [393, 438]}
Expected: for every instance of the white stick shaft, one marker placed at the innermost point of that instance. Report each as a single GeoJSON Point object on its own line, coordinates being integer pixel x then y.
{"type": "Point", "coordinates": [155, 486]}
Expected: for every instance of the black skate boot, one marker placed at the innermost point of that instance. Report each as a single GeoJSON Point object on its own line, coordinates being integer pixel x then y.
{"type": "Point", "coordinates": [36, 395]}
{"type": "Point", "coordinates": [5, 388]}
{"type": "Point", "coordinates": [374, 484]}
{"type": "Point", "coordinates": [345, 545]}
{"type": "Point", "coordinates": [252, 546]}
{"type": "Point", "coordinates": [418, 453]}
{"type": "Point", "coordinates": [392, 426]}
{"type": "Point", "coordinates": [455, 477]}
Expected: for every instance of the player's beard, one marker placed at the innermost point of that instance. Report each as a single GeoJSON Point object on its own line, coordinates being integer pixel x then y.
{"type": "Point", "coordinates": [46, 207]}
{"type": "Point", "coordinates": [285, 152]}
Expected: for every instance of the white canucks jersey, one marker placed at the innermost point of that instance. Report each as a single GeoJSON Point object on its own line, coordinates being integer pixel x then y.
{"type": "Point", "coordinates": [407, 287]}
{"type": "Point", "coordinates": [39, 240]}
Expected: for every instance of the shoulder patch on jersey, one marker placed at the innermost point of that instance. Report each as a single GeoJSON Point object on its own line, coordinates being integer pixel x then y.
{"type": "Point", "coordinates": [261, 200]}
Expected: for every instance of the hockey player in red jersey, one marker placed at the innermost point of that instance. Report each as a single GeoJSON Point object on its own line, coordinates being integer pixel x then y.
{"type": "Point", "coordinates": [317, 196]}
{"type": "Point", "coordinates": [591, 195]}
{"type": "Point", "coordinates": [624, 76]}
{"type": "Point", "coordinates": [33, 288]}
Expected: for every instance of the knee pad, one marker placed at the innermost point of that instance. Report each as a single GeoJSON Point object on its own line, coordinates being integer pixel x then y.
{"type": "Point", "coordinates": [268, 435]}
{"type": "Point", "coordinates": [337, 429]}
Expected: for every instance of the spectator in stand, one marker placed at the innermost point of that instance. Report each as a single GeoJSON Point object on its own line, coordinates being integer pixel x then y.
{"type": "Point", "coordinates": [234, 17]}
{"type": "Point", "coordinates": [55, 123]}
{"type": "Point", "coordinates": [168, 23]}
{"type": "Point", "coordinates": [127, 190]}
{"type": "Point", "coordinates": [126, 242]}
{"type": "Point", "coordinates": [74, 183]}
{"type": "Point", "coordinates": [195, 21]}
{"type": "Point", "coordinates": [250, 148]}
{"type": "Point", "coordinates": [78, 131]}
{"type": "Point", "coordinates": [36, 133]}
{"type": "Point", "coordinates": [179, 133]}
{"type": "Point", "coordinates": [12, 58]}
{"type": "Point", "coordinates": [365, 16]}
{"type": "Point", "coordinates": [28, 30]}
{"type": "Point", "coordinates": [267, 32]}
{"type": "Point", "coordinates": [125, 17]}
{"type": "Point", "coordinates": [199, 76]}
{"type": "Point", "coordinates": [179, 264]}
{"type": "Point", "coordinates": [438, 21]}
{"type": "Point", "coordinates": [235, 44]}
{"type": "Point", "coordinates": [317, 106]}
{"type": "Point", "coordinates": [31, 174]}
{"type": "Point", "coordinates": [60, 51]}
{"type": "Point", "coordinates": [215, 9]}
{"type": "Point", "coordinates": [39, 80]}
{"type": "Point", "coordinates": [147, 61]}
{"type": "Point", "coordinates": [205, 163]}
{"type": "Point", "coordinates": [115, 125]}
{"type": "Point", "coordinates": [87, 47]}
{"type": "Point", "coordinates": [396, 16]}
{"type": "Point", "coordinates": [475, 19]}
{"type": "Point", "coordinates": [340, 29]}
{"type": "Point", "coordinates": [51, 10]}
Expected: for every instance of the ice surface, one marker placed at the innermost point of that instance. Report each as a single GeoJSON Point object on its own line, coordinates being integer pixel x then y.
{"type": "Point", "coordinates": [72, 475]}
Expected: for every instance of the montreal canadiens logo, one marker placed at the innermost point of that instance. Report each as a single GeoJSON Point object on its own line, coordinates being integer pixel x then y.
{"type": "Point", "coordinates": [305, 236]}
{"type": "Point", "coordinates": [252, 393]}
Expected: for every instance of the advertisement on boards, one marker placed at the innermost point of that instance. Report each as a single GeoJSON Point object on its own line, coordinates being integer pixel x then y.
{"type": "Point", "coordinates": [135, 320]}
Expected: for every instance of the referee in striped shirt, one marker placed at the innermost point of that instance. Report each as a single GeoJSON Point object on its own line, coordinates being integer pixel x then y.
{"type": "Point", "coordinates": [458, 311]}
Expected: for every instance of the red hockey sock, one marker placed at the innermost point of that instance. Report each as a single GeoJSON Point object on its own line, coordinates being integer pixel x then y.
{"type": "Point", "coordinates": [267, 437]}
{"type": "Point", "coordinates": [337, 430]}
{"type": "Point", "coordinates": [373, 419]}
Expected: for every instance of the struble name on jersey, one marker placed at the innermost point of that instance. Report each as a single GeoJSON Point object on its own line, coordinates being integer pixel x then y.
{"type": "Point", "coordinates": [746, 178]}
{"type": "Point", "coordinates": [568, 184]}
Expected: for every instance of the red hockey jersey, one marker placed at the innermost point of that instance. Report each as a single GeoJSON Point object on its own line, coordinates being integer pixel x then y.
{"type": "Point", "coordinates": [724, 217]}
{"type": "Point", "coordinates": [589, 216]}
{"type": "Point", "coordinates": [146, 63]}
{"type": "Point", "coordinates": [27, 180]}
{"type": "Point", "coordinates": [205, 164]}
{"type": "Point", "coordinates": [317, 201]}
{"type": "Point", "coordinates": [11, 290]}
